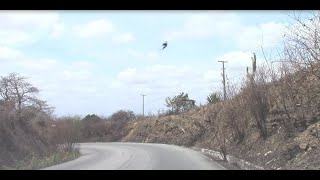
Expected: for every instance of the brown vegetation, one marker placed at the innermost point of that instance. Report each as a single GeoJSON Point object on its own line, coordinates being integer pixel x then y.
{"type": "Point", "coordinates": [27, 127]}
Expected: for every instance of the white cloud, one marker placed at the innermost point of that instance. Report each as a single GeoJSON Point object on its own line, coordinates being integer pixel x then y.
{"type": "Point", "coordinates": [123, 38]}
{"type": "Point", "coordinates": [211, 75]}
{"type": "Point", "coordinates": [265, 34]}
{"type": "Point", "coordinates": [16, 58]}
{"type": "Point", "coordinates": [51, 75]}
{"type": "Point", "coordinates": [229, 27]}
{"type": "Point", "coordinates": [96, 28]}
{"type": "Point", "coordinates": [151, 55]}
{"type": "Point", "coordinates": [9, 54]}
{"type": "Point", "coordinates": [236, 59]}
{"type": "Point", "coordinates": [43, 64]}
{"type": "Point", "coordinates": [82, 65]}
{"type": "Point", "coordinates": [77, 74]}
{"type": "Point", "coordinates": [58, 30]}
{"type": "Point", "coordinates": [102, 28]}
{"type": "Point", "coordinates": [27, 20]}
{"type": "Point", "coordinates": [173, 79]}
{"type": "Point", "coordinates": [25, 26]}
{"type": "Point", "coordinates": [12, 37]}
{"type": "Point", "coordinates": [160, 81]}
{"type": "Point", "coordinates": [135, 53]}
{"type": "Point", "coordinates": [161, 78]}
{"type": "Point", "coordinates": [204, 25]}
{"type": "Point", "coordinates": [65, 85]}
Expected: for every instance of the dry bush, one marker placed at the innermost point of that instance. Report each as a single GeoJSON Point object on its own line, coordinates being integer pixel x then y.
{"type": "Point", "coordinates": [93, 131]}
{"type": "Point", "coordinates": [295, 83]}
{"type": "Point", "coordinates": [301, 55]}
{"type": "Point", "coordinates": [68, 132]}
{"type": "Point", "coordinates": [302, 46]}
{"type": "Point", "coordinates": [255, 92]}
{"type": "Point", "coordinates": [221, 130]}
{"type": "Point", "coordinates": [92, 128]}
{"type": "Point", "coordinates": [295, 96]}
{"type": "Point", "coordinates": [122, 115]}
{"type": "Point", "coordinates": [20, 140]}
{"type": "Point", "coordinates": [117, 124]}
{"type": "Point", "coordinates": [113, 128]}
{"type": "Point", "coordinates": [236, 113]}
{"type": "Point", "coordinates": [8, 149]}
{"type": "Point", "coordinates": [140, 117]}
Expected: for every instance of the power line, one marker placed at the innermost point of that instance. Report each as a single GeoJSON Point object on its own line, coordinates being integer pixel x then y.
{"type": "Point", "coordinates": [224, 80]}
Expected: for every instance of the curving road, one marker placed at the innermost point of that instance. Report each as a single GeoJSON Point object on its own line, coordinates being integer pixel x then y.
{"type": "Point", "coordinates": [137, 156]}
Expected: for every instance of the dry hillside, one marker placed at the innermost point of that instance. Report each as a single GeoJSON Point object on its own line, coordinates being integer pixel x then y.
{"type": "Point", "coordinates": [292, 123]}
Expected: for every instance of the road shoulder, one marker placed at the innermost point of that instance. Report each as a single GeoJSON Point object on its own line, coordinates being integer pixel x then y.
{"type": "Point", "coordinates": [224, 164]}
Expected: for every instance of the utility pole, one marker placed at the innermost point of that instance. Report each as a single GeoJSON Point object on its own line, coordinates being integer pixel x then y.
{"type": "Point", "coordinates": [143, 104]}
{"type": "Point", "coordinates": [224, 80]}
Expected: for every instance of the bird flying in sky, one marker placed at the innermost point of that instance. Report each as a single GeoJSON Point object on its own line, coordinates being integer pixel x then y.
{"type": "Point", "coordinates": [164, 45]}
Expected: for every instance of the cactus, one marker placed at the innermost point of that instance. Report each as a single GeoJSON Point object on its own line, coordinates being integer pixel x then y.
{"type": "Point", "coordinates": [254, 66]}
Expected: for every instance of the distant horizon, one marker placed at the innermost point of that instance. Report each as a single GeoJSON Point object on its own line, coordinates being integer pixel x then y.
{"type": "Point", "coordinates": [100, 62]}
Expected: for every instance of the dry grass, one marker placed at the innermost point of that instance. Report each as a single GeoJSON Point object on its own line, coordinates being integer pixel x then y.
{"type": "Point", "coordinates": [37, 162]}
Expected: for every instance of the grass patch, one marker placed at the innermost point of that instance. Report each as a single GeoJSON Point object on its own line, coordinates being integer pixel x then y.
{"type": "Point", "coordinates": [36, 162]}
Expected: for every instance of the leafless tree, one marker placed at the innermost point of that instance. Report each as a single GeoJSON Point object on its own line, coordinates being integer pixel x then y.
{"type": "Point", "coordinates": [15, 88]}
{"type": "Point", "coordinates": [256, 93]}
{"type": "Point", "coordinates": [302, 48]}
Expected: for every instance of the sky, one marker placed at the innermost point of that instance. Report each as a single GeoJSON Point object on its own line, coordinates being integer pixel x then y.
{"type": "Point", "coordinates": [87, 62]}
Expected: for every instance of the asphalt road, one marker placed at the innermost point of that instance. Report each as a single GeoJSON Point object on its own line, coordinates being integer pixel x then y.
{"type": "Point", "coordinates": [137, 156]}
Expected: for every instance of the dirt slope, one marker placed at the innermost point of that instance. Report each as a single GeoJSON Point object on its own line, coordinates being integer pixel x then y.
{"type": "Point", "coordinates": [289, 144]}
